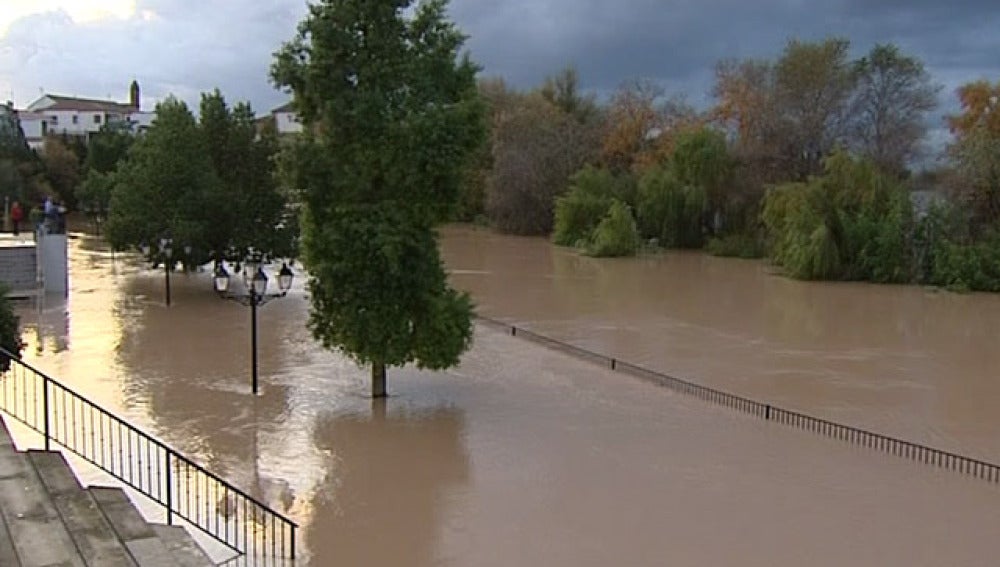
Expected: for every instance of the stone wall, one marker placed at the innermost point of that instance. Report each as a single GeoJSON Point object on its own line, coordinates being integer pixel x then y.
{"type": "Point", "coordinates": [18, 269]}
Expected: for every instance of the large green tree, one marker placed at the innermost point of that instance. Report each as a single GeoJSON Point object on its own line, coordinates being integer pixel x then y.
{"type": "Point", "coordinates": [392, 117]}
{"type": "Point", "coordinates": [257, 215]}
{"type": "Point", "coordinates": [167, 187]}
{"type": "Point", "coordinates": [108, 148]}
{"type": "Point", "coordinates": [62, 169]}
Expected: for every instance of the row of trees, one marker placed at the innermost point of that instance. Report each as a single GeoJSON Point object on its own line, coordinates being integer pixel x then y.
{"type": "Point", "coordinates": [559, 163]}
{"type": "Point", "coordinates": [209, 184]}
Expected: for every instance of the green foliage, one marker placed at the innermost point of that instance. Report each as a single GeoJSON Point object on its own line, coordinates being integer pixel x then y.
{"type": "Point", "coordinates": [591, 193]}
{"type": "Point", "coordinates": [379, 291]}
{"type": "Point", "coordinates": [701, 159]}
{"type": "Point", "coordinates": [947, 254]}
{"type": "Point", "coordinates": [62, 169]}
{"type": "Point", "coordinates": [17, 161]}
{"type": "Point", "coordinates": [255, 213]}
{"type": "Point", "coordinates": [392, 118]}
{"type": "Point", "coordinates": [852, 223]}
{"type": "Point", "coordinates": [616, 234]}
{"type": "Point", "coordinates": [95, 191]}
{"type": "Point", "coordinates": [208, 185]}
{"type": "Point", "coordinates": [108, 147]}
{"type": "Point", "coordinates": [167, 187]}
{"type": "Point", "coordinates": [10, 334]}
{"type": "Point", "coordinates": [669, 210]}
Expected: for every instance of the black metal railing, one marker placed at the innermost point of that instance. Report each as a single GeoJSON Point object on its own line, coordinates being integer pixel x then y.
{"type": "Point", "coordinates": [182, 487]}
{"type": "Point", "coordinates": [914, 451]}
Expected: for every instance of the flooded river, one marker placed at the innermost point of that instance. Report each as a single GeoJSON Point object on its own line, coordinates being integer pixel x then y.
{"type": "Point", "coordinates": [524, 456]}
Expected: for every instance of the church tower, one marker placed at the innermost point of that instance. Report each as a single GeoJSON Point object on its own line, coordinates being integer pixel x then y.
{"type": "Point", "coordinates": [134, 95]}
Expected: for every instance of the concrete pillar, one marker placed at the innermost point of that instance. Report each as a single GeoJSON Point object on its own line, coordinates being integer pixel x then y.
{"type": "Point", "coordinates": [53, 262]}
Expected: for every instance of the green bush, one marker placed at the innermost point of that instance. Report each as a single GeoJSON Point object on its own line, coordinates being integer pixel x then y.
{"type": "Point", "coordinates": [851, 223]}
{"type": "Point", "coordinates": [10, 336]}
{"type": "Point", "coordinates": [670, 211]}
{"type": "Point", "coordinates": [581, 208]}
{"type": "Point", "coordinates": [616, 234]}
{"type": "Point", "coordinates": [880, 242]}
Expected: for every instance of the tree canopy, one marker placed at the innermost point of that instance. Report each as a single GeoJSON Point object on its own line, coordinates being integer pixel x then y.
{"type": "Point", "coordinates": [208, 185]}
{"type": "Point", "coordinates": [392, 117]}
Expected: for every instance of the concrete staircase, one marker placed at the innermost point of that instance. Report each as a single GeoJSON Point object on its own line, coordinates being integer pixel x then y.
{"type": "Point", "coordinates": [47, 519]}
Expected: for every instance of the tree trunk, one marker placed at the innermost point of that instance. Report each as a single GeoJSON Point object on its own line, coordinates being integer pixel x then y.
{"type": "Point", "coordinates": [378, 380]}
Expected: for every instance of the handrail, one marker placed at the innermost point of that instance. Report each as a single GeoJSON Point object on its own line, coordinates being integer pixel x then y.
{"type": "Point", "coordinates": [978, 468]}
{"type": "Point", "coordinates": [161, 473]}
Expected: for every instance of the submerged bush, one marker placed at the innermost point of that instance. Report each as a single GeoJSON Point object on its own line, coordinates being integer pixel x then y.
{"type": "Point", "coordinates": [670, 211]}
{"type": "Point", "coordinates": [591, 193]}
{"type": "Point", "coordinates": [616, 234]}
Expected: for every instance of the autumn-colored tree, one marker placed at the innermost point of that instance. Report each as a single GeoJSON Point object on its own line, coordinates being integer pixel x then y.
{"type": "Point", "coordinates": [634, 122]}
{"type": "Point", "coordinates": [976, 149]}
{"type": "Point", "coordinates": [643, 124]}
{"type": "Point", "coordinates": [980, 102]}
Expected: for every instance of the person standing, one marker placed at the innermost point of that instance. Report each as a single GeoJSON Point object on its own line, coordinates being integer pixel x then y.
{"type": "Point", "coordinates": [16, 216]}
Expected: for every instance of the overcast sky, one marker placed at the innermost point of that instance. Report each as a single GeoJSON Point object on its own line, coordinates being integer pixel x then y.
{"type": "Point", "coordinates": [94, 48]}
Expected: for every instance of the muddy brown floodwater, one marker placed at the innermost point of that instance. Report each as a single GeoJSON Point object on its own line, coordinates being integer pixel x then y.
{"type": "Point", "coordinates": [524, 456]}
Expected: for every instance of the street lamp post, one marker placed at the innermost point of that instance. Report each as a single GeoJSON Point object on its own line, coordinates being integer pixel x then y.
{"type": "Point", "coordinates": [256, 283]}
{"type": "Point", "coordinates": [166, 253]}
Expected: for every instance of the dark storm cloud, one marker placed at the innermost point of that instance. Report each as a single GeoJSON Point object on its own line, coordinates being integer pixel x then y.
{"type": "Point", "coordinates": [188, 46]}
{"type": "Point", "coordinates": [680, 41]}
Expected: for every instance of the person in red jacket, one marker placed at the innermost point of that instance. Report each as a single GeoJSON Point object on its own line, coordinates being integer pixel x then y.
{"type": "Point", "coordinates": [16, 216]}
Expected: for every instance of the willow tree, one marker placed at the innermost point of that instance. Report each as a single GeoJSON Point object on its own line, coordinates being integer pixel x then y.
{"type": "Point", "coordinates": [391, 116]}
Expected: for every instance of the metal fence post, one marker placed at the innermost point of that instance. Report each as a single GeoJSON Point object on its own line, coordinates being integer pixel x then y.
{"type": "Point", "coordinates": [170, 484]}
{"type": "Point", "coordinates": [45, 410]}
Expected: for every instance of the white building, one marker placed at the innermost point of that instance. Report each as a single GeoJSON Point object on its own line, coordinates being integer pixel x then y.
{"type": "Point", "coordinates": [33, 126]}
{"type": "Point", "coordinates": [286, 120]}
{"type": "Point", "coordinates": [57, 115]}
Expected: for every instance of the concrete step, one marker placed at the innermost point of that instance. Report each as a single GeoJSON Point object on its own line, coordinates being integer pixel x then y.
{"type": "Point", "coordinates": [94, 538]}
{"type": "Point", "coordinates": [185, 549]}
{"type": "Point", "coordinates": [47, 519]}
{"type": "Point", "coordinates": [8, 555]}
{"type": "Point", "coordinates": [132, 529]}
{"type": "Point", "coordinates": [30, 516]}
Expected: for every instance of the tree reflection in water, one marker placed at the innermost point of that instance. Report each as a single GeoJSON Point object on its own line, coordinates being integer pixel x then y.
{"type": "Point", "coordinates": [389, 475]}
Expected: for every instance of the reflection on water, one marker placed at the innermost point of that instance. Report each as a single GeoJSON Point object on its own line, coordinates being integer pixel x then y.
{"type": "Point", "coordinates": [390, 473]}
{"type": "Point", "coordinates": [522, 456]}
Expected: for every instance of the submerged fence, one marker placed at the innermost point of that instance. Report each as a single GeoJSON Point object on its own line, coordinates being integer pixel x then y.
{"type": "Point", "coordinates": [182, 487]}
{"type": "Point", "coordinates": [989, 472]}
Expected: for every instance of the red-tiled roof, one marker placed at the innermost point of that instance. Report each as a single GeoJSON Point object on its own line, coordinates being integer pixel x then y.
{"type": "Point", "coordinates": [87, 105]}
